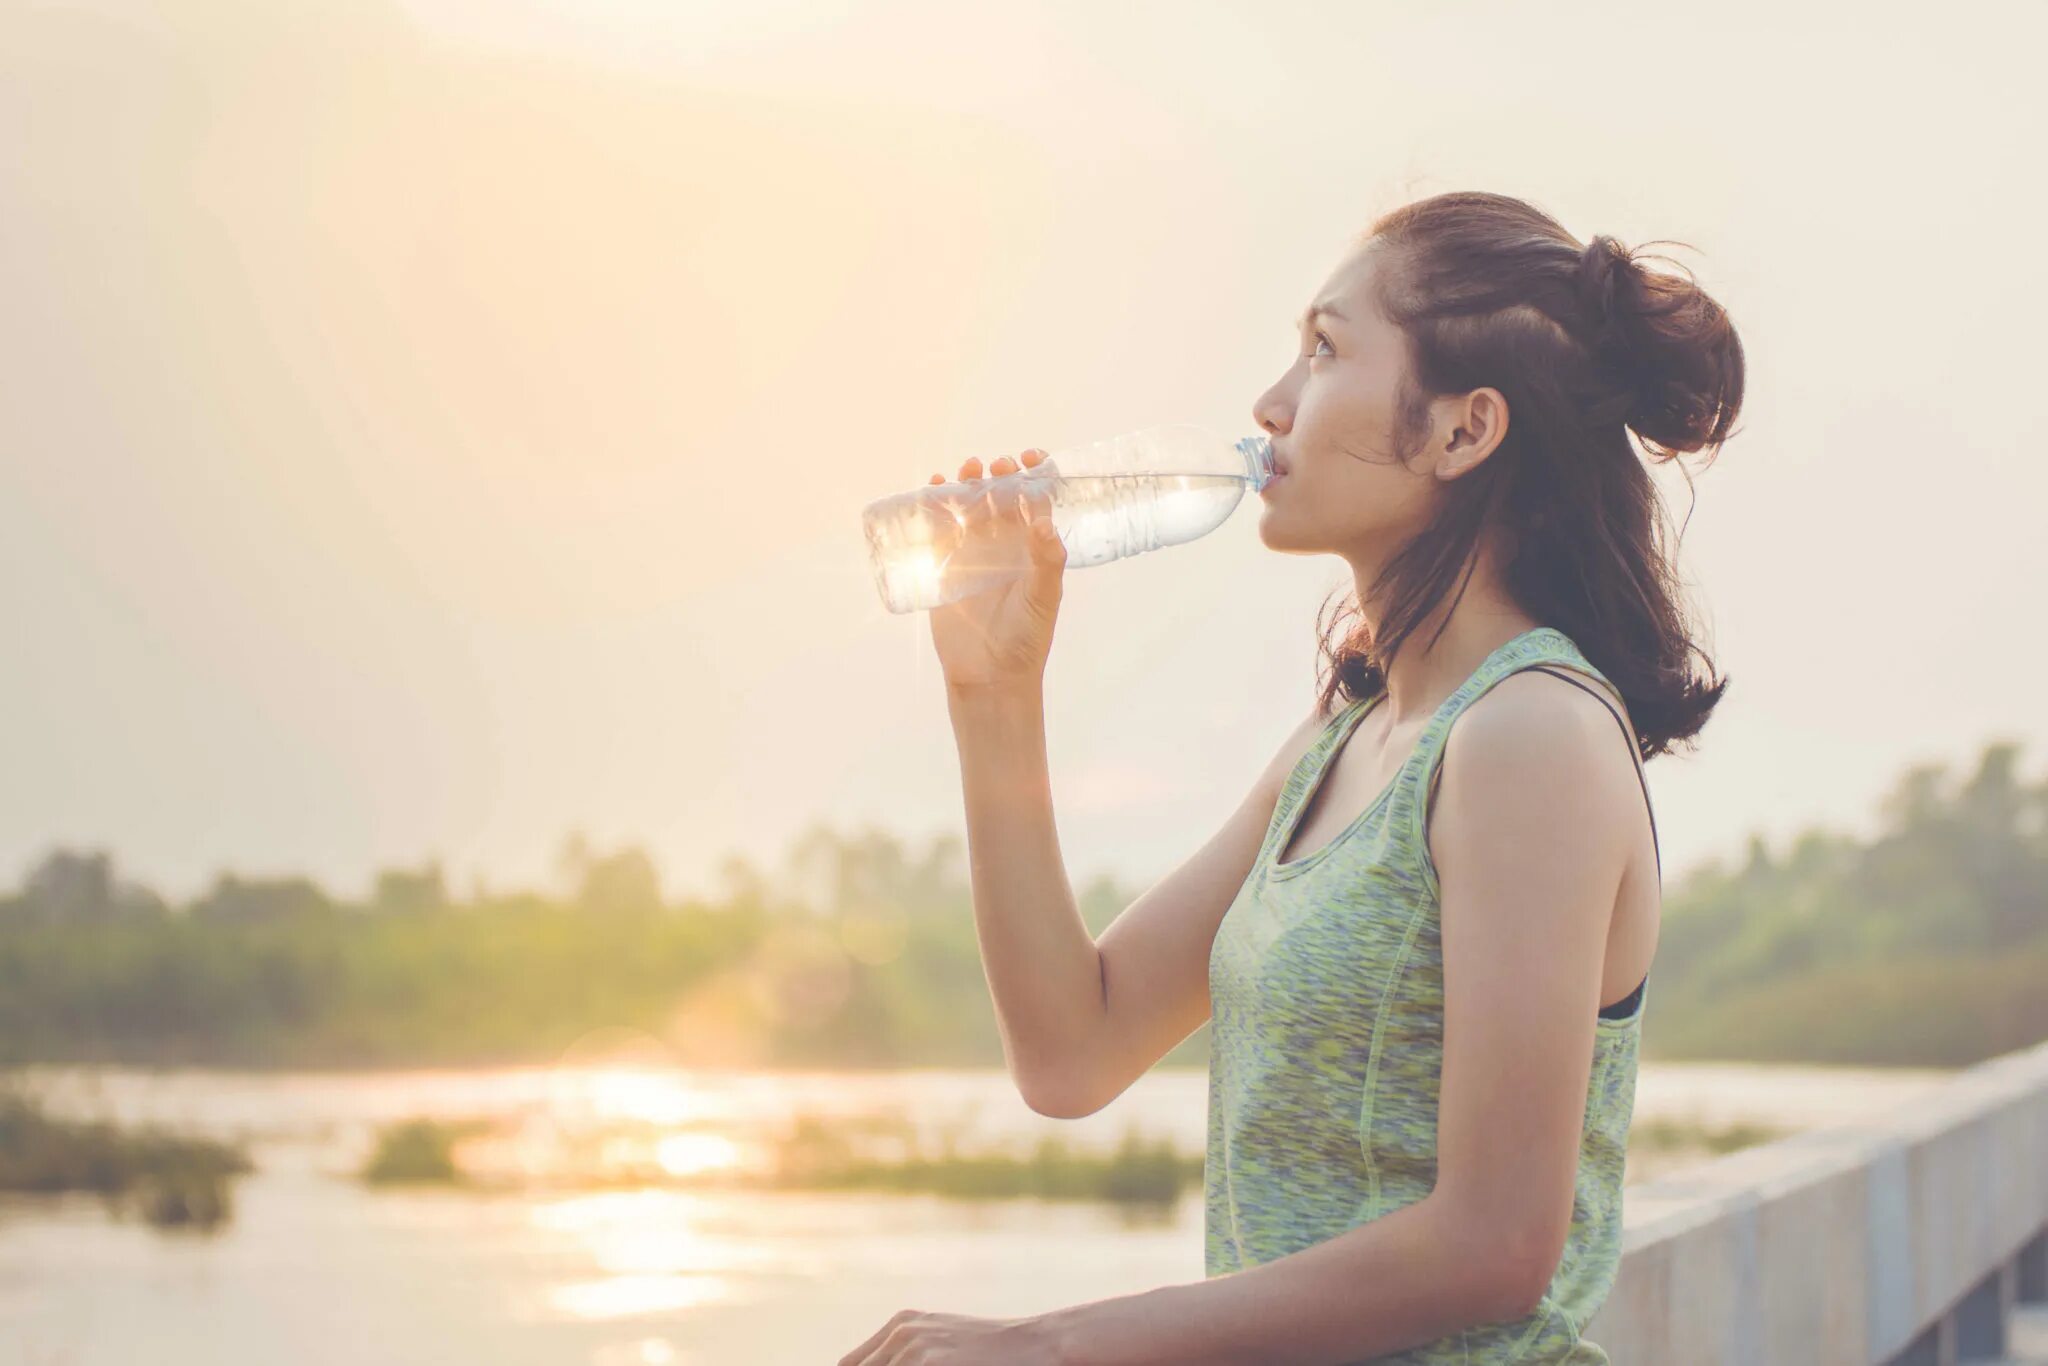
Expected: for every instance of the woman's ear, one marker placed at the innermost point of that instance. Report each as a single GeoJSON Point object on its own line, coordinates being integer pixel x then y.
{"type": "Point", "coordinates": [1478, 423]}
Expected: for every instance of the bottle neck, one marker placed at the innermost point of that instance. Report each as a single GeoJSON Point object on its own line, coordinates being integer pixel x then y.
{"type": "Point", "coordinates": [1258, 460]}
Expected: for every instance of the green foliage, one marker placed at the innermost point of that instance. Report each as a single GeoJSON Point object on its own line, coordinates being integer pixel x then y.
{"type": "Point", "coordinates": [173, 1180]}
{"type": "Point", "coordinates": [1919, 946]}
{"type": "Point", "coordinates": [1925, 946]}
{"type": "Point", "coordinates": [1918, 1012]}
{"type": "Point", "coordinates": [823, 1156]}
{"type": "Point", "coordinates": [414, 1152]}
{"type": "Point", "coordinates": [876, 1152]}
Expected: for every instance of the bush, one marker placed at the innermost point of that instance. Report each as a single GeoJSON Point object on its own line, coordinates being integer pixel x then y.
{"type": "Point", "coordinates": [414, 1152]}
{"type": "Point", "coordinates": [175, 1181]}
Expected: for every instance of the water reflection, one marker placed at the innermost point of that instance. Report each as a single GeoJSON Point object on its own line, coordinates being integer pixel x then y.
{"type": "Point", "coordinates": [320, 1270]}
{"type": "Point", "coordinates": [623, 1296]}
{"type": "Point", "coordinates": [646, 1352]}
{"type": "Point", "coordinates": [649, 1246]}
{"type": "Point", "coordinates": [696, 1154]}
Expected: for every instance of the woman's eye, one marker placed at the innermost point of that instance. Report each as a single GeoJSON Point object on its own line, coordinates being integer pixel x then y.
{"type": "Point", "coordinates": [1326, 342]}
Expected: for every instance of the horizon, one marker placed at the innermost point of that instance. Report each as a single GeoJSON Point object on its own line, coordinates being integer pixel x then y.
{"type": "Point", "coordinates": [440, 428]}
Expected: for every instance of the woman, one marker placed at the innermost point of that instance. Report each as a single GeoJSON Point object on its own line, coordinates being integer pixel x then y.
{"type": "Point", "coordinates": [1423, 939]}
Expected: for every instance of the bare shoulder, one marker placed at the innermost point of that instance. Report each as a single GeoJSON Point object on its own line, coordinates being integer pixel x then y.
{"type": "Point", "coordinates": [1547, 746]}
{"type": "Point", "coordinates": [1535, 714]}
{"type": "Point", "coordinates": [1531, 838]}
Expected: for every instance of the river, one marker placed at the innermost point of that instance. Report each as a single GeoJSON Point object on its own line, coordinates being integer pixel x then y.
{"type": "Point", "coordinates": [315, 1268]}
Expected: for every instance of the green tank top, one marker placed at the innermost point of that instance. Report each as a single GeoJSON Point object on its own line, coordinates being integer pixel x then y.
{"type": "Point", "coordinates": [1326, 1044]}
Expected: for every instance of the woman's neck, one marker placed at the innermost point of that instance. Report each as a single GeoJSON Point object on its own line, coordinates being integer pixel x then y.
{"type": "Point", "coordinates": [1423, 675]}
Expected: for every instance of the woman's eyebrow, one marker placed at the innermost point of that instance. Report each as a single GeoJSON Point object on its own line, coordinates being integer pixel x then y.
{"type": "Point", "coordinates": [1326, 306]}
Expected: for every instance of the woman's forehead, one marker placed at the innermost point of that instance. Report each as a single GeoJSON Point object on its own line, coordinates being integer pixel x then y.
{"type": "Point", "coordinates": [1349, 291]}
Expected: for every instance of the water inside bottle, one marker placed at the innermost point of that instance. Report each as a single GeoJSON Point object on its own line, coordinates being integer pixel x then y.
{"type": "Point", "coordinates": [1099, 518]}
{"type": "Point", "coordinates": [1105, 517]}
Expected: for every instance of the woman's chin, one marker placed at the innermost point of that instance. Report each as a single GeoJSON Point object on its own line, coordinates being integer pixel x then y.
{"type": "Point", "coordinates": [1273, 534]}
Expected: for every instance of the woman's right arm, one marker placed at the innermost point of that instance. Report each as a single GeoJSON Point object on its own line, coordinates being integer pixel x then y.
{"type": "Point", "coordinates": [1082, 1019]}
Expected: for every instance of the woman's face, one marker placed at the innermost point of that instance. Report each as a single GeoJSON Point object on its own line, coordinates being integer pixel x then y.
{"type": "Point", "coordinates": [1334, 422]}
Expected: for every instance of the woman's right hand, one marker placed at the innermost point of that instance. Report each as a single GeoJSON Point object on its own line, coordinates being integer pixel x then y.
{"type": "Point", "coordinates": [1003, 635]}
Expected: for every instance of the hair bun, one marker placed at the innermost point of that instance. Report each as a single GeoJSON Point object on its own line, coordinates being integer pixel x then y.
{"type": "Point", "coordinates": [1606, 271]}
{"type": "Point", "coordinates": [1669, 350]}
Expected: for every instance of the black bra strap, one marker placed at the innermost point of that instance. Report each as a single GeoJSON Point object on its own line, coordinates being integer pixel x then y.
{"type": "Point", "coordinates": [1634, 753]}
{"type": "Point", "coordinates": [1620, 1009]}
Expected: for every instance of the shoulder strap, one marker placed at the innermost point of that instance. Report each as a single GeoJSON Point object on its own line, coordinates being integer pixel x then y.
{"type": "Point", "coordinates": [1537, 649]}
{"type": "Point", "coordinates": [1635, 752]}
{"type": "Point", "coordinates": [1308, 769]}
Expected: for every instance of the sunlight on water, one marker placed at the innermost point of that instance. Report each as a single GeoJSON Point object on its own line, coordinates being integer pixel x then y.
{"type": "Point", "coordinates": [545, 1150]}
{"type": "Point", "coordinates": [651, 1096]}
{"type": "Point", "coordinates": [646, 1352]}
{"type": "Point", "coordinates": [667, 1233]}
{"type": "Point", "coordinates": [592, 1214]}
{"type": "Point", "coordinates": [624, 1296]}
{"type": "Point", "coordinates": [657, 1262]}
{"type": "Point", "coordinates": [688, 1154]}
{"type": "Point", "coordinates": [659, 1255]}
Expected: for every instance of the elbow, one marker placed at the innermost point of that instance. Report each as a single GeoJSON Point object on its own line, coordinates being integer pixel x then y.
{"type": "Point", "coordinates": [1504, 1269]}
{"type": "Point", "coordinates": [1518, 1279]}
{"type": "Point", "coordinates": [1504, 1264]}
{"type": "Point", "coordinates": [1055, 1099]}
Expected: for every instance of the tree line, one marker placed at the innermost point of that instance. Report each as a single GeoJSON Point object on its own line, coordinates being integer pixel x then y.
{"type": "Point", "coordinates": [1924, 945]}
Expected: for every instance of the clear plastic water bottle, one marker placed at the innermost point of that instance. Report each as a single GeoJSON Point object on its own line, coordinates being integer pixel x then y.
{"type": "Point", "coordinates": [1140, 491]}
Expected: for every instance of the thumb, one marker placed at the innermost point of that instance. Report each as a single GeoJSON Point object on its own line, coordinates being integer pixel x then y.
{"type": "Point", "coordinates": [1048, 551]}
{"type": "Point", "coordinates": [1048, 567]}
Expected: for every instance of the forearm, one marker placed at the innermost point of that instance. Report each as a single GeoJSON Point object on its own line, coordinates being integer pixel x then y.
{"type": "Point", "coordinates": [1043, 968]}
{"type": "Point", "coordinates": [1410, 1277]}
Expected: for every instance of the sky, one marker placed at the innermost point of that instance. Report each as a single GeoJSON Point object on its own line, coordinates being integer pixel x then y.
{"type": "Point", "coordinates": [431, 427]}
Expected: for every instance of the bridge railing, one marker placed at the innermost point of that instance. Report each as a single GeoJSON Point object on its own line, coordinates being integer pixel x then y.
{"type": "Point", "coordinates": [1901, 1242]}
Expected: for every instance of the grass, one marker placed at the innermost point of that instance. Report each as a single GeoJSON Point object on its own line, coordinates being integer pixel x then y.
{"type": "Point", "coordinates": [173, 1181]}
{"type": "Point", "coordinates": [1137, 1172]}
{"type": "Point", "coordinates": [416, 1152]}
{"type": "Point", "coordinates": [820, 1154]}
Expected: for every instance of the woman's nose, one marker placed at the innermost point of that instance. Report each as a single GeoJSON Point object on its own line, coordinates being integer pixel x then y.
{"type": "Point", "coordinates": [1270, 416]}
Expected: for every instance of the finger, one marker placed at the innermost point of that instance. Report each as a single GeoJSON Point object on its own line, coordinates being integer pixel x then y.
{"type": "Point", "coordinates": [987, 517]}
{"type": "Point", "coordinates": [958, 521]}
{"type": "Point", "coordinates": [1033, 456]}
{"type": "Point", "coordinates": [985, 511]}
{"type": "Point", "coordinates": [1002, 511]}
{"type": "Point", "coordinates": [942, 520]}
{"type": "Point", "coordinates": [966, 516]}
{"type": "Point", "coordinates": [937, 479]}
{"type": "Point", "coordinates": [867, 1348]}
{"type": "Point", "coordinates": [1045, 535]}
{"type": "Point", "coordinates": [1004, 465]}
{"type": "Point", "coordinates": [874, 1339]}
{"type": "Point", "coordinates": [971, 468]}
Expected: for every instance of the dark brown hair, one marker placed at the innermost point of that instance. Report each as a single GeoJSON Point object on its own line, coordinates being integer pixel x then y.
{"type": "Point", "coordinates": [1586, 345]}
